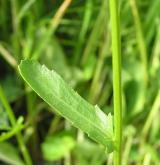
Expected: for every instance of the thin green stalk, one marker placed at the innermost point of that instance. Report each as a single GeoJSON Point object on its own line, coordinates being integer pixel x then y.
{"type": "Point", "coordinates": [83, 31]}
{"type": "Point", "coordinates": [150, 118]}
{"type": "Point", "coordinates": [127, 149]}
{"type": "Point", "coordinates": [156, 52]}
{"type": "Point", "coordinates": [110, 159]}
{"type": "Point", "coordinates": [12, 119]}
{"type": "Point", "coordinates": [54, 125]}
{"type": "Point", "coordinates": [140, 38]}
{"type": "Point", "coordinates": [147, 126]}
{"type": "Point", "coordinates": [12, 132]}
{"type": "Point", "coordinates": [97, 31]}
{"type": "Point", "coordinates": [67, 159]}
{"type": "Point", "coordinates": [105, 95]}
{"type": "Point", "coordinates": [150, 24]}
{"type": "Point", "coordinates": [97, 74]}
{"type": "Point", "coordinates": [16, 28]}
{"type": "Point", "coordinates": [116, 61]}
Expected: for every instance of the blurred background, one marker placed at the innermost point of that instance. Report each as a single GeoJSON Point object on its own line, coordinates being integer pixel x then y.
{"type": "Point", "coordinates": [74, 38]}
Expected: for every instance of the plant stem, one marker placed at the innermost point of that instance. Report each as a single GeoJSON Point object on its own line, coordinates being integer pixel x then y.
{"type": "Point", "coordinates": [11, 133]}
{"type": "Point", "coordinates": [116, 61]}
{"type": "Point", "coordinates": [12, 119]}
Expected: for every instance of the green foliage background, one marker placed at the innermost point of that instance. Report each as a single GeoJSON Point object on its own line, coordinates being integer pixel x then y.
{"type": "Point", "coordinates": [78, 46]}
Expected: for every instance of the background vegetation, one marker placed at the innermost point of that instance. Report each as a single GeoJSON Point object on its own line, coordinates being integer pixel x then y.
{"type": "Point", "coordinates": [74, 38]}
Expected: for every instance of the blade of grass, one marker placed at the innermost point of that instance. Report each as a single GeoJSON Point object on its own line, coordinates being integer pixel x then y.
{"type": "Point", "coordinates": [150, 23]}
{"type": "Point", "coordinates": [116, 62]}
{"type": "Point", "coordinates": [127, 150]}
{"type": "Point", "coordinates": [140, 38]}
{"type": "Point", "coordinates": [154, 62]}
{"type": "Point", "coordinates": [84, 28]}
{"type": "Point", "coordinates": [24, 10]}
{"type": "Point", "coordinates": [94, 36]}
{"type": "Point", "coordinates": [147, 125]}
{"type": "Point", "coordinates": [150, 118]}
{"type": "Point", "coordinates": [53, 26]}
{"type": "Point", "coordinates": [98, 71]}
{"type": "Point", "coordinates": [8, 57]}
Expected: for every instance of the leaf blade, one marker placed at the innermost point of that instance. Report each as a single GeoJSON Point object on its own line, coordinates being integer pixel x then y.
{"type": "Point", "coordinates": [52, 89]}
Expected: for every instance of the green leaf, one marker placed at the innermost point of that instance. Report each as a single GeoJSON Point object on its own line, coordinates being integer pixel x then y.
{"type": "Point", "coordinates": [52, 89]}
{"type": "Point", "coordinates": [56, 147]}
{"type": "Point", "coordinates": [9, 154]}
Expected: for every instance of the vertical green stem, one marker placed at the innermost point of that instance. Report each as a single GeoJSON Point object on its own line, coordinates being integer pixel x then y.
{"type": "Point", "coordinates": [116, 60]}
